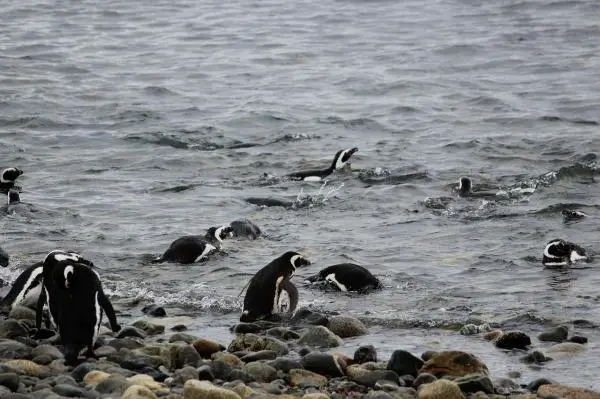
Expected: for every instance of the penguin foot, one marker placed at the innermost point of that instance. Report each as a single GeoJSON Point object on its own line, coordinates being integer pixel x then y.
{"type": "Point", "coordinates": [90, 354]}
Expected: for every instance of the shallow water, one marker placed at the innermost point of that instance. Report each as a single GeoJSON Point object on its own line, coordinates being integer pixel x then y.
{"type": "Point", "coordinates": [138, 123]}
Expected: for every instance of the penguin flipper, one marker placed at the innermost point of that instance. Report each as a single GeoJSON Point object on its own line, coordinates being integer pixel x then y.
{"type": "Point", "coordinates": [39, 309]}
{"type": "Point", "coordinates": [109, 310]}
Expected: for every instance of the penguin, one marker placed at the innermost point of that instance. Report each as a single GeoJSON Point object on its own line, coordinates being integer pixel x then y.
{"type": "Point", "coordinates": [571, 215]}
{"type": "Point", "coordinates": [339, 160]}
{"type": "Point", "coordinates": [8, 177]}
{"type": "Point", "coordinates": [191, 249]}
{"type": "Point", "coordinates": [561, 253]}
{"type": "Point", "coordinates": [80, 303]}
{"type": "Point", "coordinates": [4, 258]}
{"type": "Point", "coordinates": [288, 299]}
{"type": "Point", "coordinates": [14, 203]}
{"type": "Point", "coordinates": [263, 298]}
{"type": "Point", "coordinates": [347, 277]}
{"type": "Point", "coordinates": [26, 289]}
{"type": "Point", "coordinates": [465, 189]}
{"type": "Point", "coordinates": [270, 202]}
{"type": "Point", "coordinates": [245, 228]}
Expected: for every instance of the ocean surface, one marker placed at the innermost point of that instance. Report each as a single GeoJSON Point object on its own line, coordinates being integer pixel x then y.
{"type": "Point", "coordinates": [137, 122]}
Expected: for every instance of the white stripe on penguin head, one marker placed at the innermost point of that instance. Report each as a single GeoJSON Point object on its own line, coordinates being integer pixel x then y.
{"type": "Point", "coordinates": [331, 278]}
{"type": "Point", "coordinates": [68, 270]}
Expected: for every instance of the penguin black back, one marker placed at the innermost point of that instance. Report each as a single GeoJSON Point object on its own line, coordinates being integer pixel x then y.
{"type": "Point", "coordinates": [4, 258]}
{"type": "Point", "coordinates": [264, 289]}
{"type": "Point", "coordinates": [559, 252]}
{"type": "Point", "coordinates": [339, 161]}
{"type": "Point", "coordinates": [195, 248]}
{"type": "Point", "coordinates": [347, 277]}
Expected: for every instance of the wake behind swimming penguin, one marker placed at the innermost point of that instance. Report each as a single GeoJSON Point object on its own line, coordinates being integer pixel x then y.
{"type": "Point", "coordinates": [340, 159]}
{"type": "Point", "coordinates": [346, 277]}
{"type": "Point", "coordinates": [263, 299]}
{"type": "Point", "coordinates": [195, 248]}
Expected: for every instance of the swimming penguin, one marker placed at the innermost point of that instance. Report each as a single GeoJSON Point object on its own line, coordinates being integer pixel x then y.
{"type": "Point", "coordinates": [4, 258]}
{"type": "Point", "coordinates": [465, 189]}
{"type": "Point", "coordinates": [561, 253]}
{"type": "Point", "coordinates": [7, 178]}
{"type": "Point", "coordinates": [190, 249]}
{"type": "Point", "coordinates": [14, 203]}
{"type": "Point", "coordinates": [341, 158]}
{"type": "Point", "coordinates": [269, 202]}
{"type": "Point", "coordinates": [347, 277]}
{"type": "Point", "coordinates": [26, 289]}
{"type": "Point", "coordinates": [245, 228]}
{"type": "Point", "coordinates": [263, 297]}
{"type": "Point", "coordinates": [570, 215]}
{"type": "Point", "coordinates": [80, 303]}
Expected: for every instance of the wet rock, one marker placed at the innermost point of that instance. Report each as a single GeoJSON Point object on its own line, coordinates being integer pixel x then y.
{"type": "Point", "coordinates": [81, 370]}
{"type": "Point", "coordinates": [246, 328]}
{"type": "Point", "coordinates": [127, 343]}
{"type": "Point", "coordinates": [179, 328]}
{"type": "Point", "coordinates": [261, 372]}
{"type": "Point", "coordinates": [472, 383]}
{"type": "Point", "coordinates": [183, 337]}
{"type": "Point", "coordinates": [365, 353]}
{"type": "Point", "coordinates": [492, 335]}
{"type": "Point", "coordinates": [95, 377]}
{"type": "Point", "coordinates": [324, 364]}
{"type": "Point", "coordinates": [137, 392]}
{"type": "Point", "coordinates": [566, 347]}
{"type": "Point", "coordinates": [10, 349]}
{"type": "Point", "coordinates": [471, 329]}
{"type": "Point", "coordinates": [12, 329]}
{"type": "Point", "coordinates": [578, 339]}
{"type": "Point", "coordinates": [10, 381]}
{"type": "Point", "coordinates": [131, 331]}
{"type": "Point", "coordinates": [187, 355]}
{"type": "Point", "coordinates": [423, 378]}
{"type": "Point", "coordinates": [148, 382]}
{"type": "Point", "coordinates": [368, 378]}
{"type": "Point", "coordinates": [260, 355]}
{"type": "Point", "coordinates": [205, 373]}
{"type": "Point", "coordinates": [556, 334]}
{"type": "Point", "coordinates": [285, 364]}
{"type": "Point", "coordinates": [115, 384]}
{"type": "Point", "coordinates": [535, 384]}
{"type": "Point", "coordinates": [513, 340]}
{"type": "Point", "coordinates": [190, 373]}
{"type": "Point", "coordinates": [27, 367]}
{"type": "Point", "coordinates": [154, 310]}
{"type": "Point", "coordinates": [346, 326]}
{"type": "Point", "coordinates": [320, 337]}
{"type": "Point", "coordinates": [306, 317]}
{"type": "Point", "coordinates": [227, 372]}
{"type": "Point", "coordinates": [21, 313]}
{"type": "Point", "coordinates": [69, 391]}
{"type": "Point", "coordinates": [440, 389]}
{"type": "Point", "coordinates": [206, 347]}
{"type": "Point", "coordinates": [403, 362]}
{"type": "Point", "coordinates": [315, 395]}
{"type": "Point", "coordinates": [454, 363]}
{"type": "Point", "coordinates": [240, 388]}
{"type": "Point", "coordinates": [566, 392]}
{"type": "Point", "coordinates": [194, 389]}
{"type": "Point", "coordinates": [506, 386]}
{"type": "Point", "coordinates": [149, 328]}
{"type": "Point", "coordinates": [49, 350]}
{"type": "Point", "coordinates": [105, 350]}
{"type": "Point", "coordinates": [254, 343]}
{"type": "Point", "coordinates": [283, 333]}
{"type": "Point", "coordinates": [305, 379]}
{"type": "Point", "coordinates": [227, 358]}
{"type": "Point", "coordinates": [428, 355]}
{"type": "Point", "coordinates": [536, 357]}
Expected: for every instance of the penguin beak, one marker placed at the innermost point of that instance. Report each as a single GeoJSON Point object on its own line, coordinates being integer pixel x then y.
{"type": "Point", "coordinates": [353, 150]}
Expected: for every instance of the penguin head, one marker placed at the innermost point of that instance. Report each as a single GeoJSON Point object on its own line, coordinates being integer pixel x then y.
{"type": "Point", "coordinates": [13, 196]}
{"type": "Point", "coordinates": [464, 186]}
{"type": "Point", "coordinates": [59, 255]}
{"type": "Point", "coordinates": [219, 233]}
{"type": "Point", "coordinates": [560, 252]}
{"type": "Point", "coordinates": [342, 157]}
{"type": "Point", "coordinates": [9, 175]}
{"type": "Point", "coordinates": [4, 258]}
{"type": "Point", "coordinates": [296, 259]}
{"type": "Point", "coordinates": [68, 275]}
{"type": "Point", "coordinates": [569, 215]}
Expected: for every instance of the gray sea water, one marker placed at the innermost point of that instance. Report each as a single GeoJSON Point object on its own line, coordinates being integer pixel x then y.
{"type": "Point", "coordinates": [137, 122]}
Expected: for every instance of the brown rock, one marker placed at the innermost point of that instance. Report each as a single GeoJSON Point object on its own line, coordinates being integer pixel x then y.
{"type": "Point", "coordinates": [206, 347]}
{"type": "Point", "coordinates": [304, 378]}
{"type": "Point", "coordinates": [440, 389]}
{"type": "Point", "coordinates": [137, 392]}
{"type": "Point", "coordinates": [566, 392]}
{"type": "Point", "coordinates": [228, 358]}
{"type": "Point", "coordinates": [95, 377]}
{"type": "Point", "coordinates": [22, 366]}
{"type": "Point", "coordinates": [454, 363]}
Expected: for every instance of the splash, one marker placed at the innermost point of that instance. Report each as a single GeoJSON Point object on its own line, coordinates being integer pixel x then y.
{"type": "Point", "coordinates": [319, 198]}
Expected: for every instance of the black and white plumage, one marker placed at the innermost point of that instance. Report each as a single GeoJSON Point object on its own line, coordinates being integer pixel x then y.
{"type": "Point", "coordinates": [561, 253]}
{"type": "Point", "coordinates": [340, 159]}
{"type": "Point", "coordinates": [465, 189]}
{"type": "Point", "coordinates": [288, 298]}
{"type": "Point", "coordinates": [571, 215]}
{"type": "Point", "coordinates": [77, 303]}
{"type": "Point", "coordinates": [346, 277]}
{"type": "Point", "coordinates": [14, 203]}
{"type": "Point", "coordinates": [8, 177]}
{"type": "Point", "coordinates": [264, 298]}
{"type": "Point", "coordinates": [244, 228]}
{"type": "Point", "coordinates": [191, 249]}
{"type": "Point", "coordinates": [4, 258]}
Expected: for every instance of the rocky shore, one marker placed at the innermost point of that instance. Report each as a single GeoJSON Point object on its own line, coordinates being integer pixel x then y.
{"type": "Point", "coordinates": [156, 358]}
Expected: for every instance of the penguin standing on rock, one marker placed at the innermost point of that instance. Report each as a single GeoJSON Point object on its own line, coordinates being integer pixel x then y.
{"type": "Point", "coordinates": [8, 177]}
{"type": "Point", "coordinates": [347, 277]}
{"type": "Point", "coordinates": [190, 249]}
{"type": "Point", "coordinates": [77, 302]}
{"type": "Point", "coordinates": [561, 253]}
{"type": "Point", "coordinates": [340, 159]}
{"type": "Point", "coordinates": [270, 287]}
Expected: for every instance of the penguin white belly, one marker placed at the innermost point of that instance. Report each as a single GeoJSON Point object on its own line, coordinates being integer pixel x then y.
{"type": "Point", "coordinates": [313, 178]}
{"type": "Point", "coordinates": [208, 248]}
{"type": "Point", "coordinates": [98, 311]}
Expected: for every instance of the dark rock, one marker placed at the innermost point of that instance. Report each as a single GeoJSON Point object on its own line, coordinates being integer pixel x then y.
{"type": "Point", "coordinates": [253, 342]}
{"type": "Point", "coordinates": [21, 313]}
{"type": "Point", "coordinates": [407, 379]}
{"type": "Point", "coordinates": [506, 386]}
{"type": "Point", "coordinates": [261, 372]}
{"type": "Point", "coordinates": [133, 332]}
{"type": "Point", "coordinates": [320, 337]}
{"type": "Point", "coordinates": [205, 373]}
{"type": "Point", "coordinates": [49, 350]}
{"type": "Point", "coordinates": [304, 350]}
{"type": "Point", "coordinates": [368, 378]}
{"type": "Point", "coordinates": [556, 334]}
{"type": "Point", "coordinates": [149, 328]}
{"type": "Point", "coordinates": [346, 326]}
{"type": "Point", "coordinates": [245, 328]}
{"type": "Point", "coordinates": [226, 372]}
{"type": "Point", "coordinates": [16, 396]}
{"type": "Point", "coordinates": [535, 384]}
{"type": "Point", "coordinates": [285, 364]}
{"type": "Point", "coordinates": [186, 356]}
{"type": "Point", "coordinates": [183, 337]}
{"type": "Point", "coordinates": [10, 381]}
{"type": "Point", "coordinates": [454, 363]}
{"type": "Point", "coordinates": [115, 384]}
{"type": "Point", "coordinates": [324, 364]}
{"type": "Point", "coordinates": [365, 353]}
{"type": "Point", "coordinates": [69, 391]}
{"type": "Point", "coordinates": [190, 373]}
{"type": "Point", "coordinates": [283, 333]}
{"type": "Point", "coordinates": [260, 355]}
{"type": "Point", "coordinates": [403, 362]}
{"type": "Point", "coordinates": [12, 329]}
{"type": "Point", "coordinates": [472, 383]}
{"type": "Point", "coordinates": [536, 357]}
{"type": "Point", "coordinates": [513, 340]}
{"type": "Point", "coordinates": [179, 328]}
{"type": "Point", "coordinates": [306, 317]}
{"type": "Point", "coordinates": [105, 350]}
{"type": "Point", "coordinates": [81, 370]}
{"type": "Point", "coordinates": [578, 339]}
{"type": "Point", "coordinates": [428, 355]}
{"type": "Point", "coordinates": [44, 333]}
{"type": "Point", "coordinates": [154, 310]}
{"type": "Point", "coordinates": [10, 349]}
{"type": "Point", "coordinates": [127, 343]}
{"type": "Point", "coordinates": [423, 378]}
{"type": "Point", "coordinates": [65, 379]}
